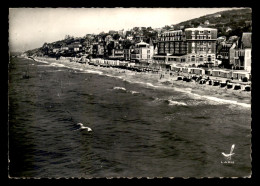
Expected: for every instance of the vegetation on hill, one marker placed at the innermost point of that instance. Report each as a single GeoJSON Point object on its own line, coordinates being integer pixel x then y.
{"type": "Point", "coordinates": [228, 23]}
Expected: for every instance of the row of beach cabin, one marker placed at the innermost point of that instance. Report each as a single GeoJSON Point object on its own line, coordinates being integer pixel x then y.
{"type": "Point", "coordinates": [213, 72]}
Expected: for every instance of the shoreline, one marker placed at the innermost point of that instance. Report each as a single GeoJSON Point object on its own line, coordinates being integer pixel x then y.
{"type": "Point", "coordinates": [217, 93]}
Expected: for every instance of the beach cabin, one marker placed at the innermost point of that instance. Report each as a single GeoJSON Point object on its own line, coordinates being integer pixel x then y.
{"type": "Point", "coordinates": [215, 73]}
{"type": "Point", "coordinates": [208, 72]}
{"type": "Point", "coordinates": [225, 74]}
{"type": "Point", "coordinates": [240, 74]}
{"type": "Point", "coordinates": [131, 64]}
{"type": "Point", "coordinates": [176, 69]}
{"type": "Point", "coordinates": [198, 71]}
{"type": "Point", "coordinates": [185, 70]}
{"type": "Point", "coordinates": [221, 73]}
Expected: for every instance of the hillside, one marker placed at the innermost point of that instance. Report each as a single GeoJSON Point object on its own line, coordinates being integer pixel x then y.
{"type": "Point", "coordinates": [228, 23]}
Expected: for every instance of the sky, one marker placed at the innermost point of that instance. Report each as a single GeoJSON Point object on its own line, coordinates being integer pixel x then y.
{"type": "Point", "coordinates": [30, 28]}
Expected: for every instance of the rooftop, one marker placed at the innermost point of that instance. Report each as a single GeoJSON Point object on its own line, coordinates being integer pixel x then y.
{"type": "Point", "coordinates": [199, 28]}
{"type": "Point", "coordinates": [142, 43]}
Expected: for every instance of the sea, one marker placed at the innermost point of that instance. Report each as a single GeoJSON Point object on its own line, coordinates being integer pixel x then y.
{"type": "Point", "coordinates": [139, 128]}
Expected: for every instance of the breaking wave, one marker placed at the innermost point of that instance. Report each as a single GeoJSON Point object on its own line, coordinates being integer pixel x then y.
{"type": "Point", "coordinates": [219, 100]}
{"type": "Point", "coordinates": [119, 88]}
{"type": "Point", "coordinates": [134, 92]}
{"type": "Point", "coordinates": [171, 102]}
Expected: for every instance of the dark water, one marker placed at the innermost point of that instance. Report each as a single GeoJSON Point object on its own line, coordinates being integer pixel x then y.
{"type": "Point", "coordinates": [141, 131]}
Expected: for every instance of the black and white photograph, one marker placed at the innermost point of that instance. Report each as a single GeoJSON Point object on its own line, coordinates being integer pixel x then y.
{"type": "Point", "coordinates": [129, 92]}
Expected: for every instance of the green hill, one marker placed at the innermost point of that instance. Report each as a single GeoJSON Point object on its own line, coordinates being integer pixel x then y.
{"type": "Point", "coordinates": [228, 23]}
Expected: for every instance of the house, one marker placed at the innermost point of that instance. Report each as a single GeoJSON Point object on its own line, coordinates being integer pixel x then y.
{"type": "Point", "coordinates": [206, 22]}
{"type": "Point", "coordinates": [142, 52]}
{"type": "Point", "coordinates": [242, 58]}
{"type": "Point", "coordinates": [54, 50]}
{"type": "Point", "coordinates": [127, 52]}
{"type": "Point", "coordinates": [75, 47]}
{"type": "Point", "coordinates": [129, 37]}
{"type": "Point", "coordinates": [117, 52]}
{"type": "Point", "coordinates": [221, 39]}
{"type": "Point", "coordinates": [98, 50]}
{"type": "Point", "coordinates": [108, 39]}
{"type": "Point", "coordinates": [121, 32]}
{"type": "Point", "coordinates": [223, 53]}
{"type": "Point", "coordinates": [138, 38]}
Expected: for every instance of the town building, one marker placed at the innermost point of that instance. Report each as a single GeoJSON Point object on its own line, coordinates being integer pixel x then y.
{"type": "Point", "coordinates": [142, 52]}
{"type": "Point", "coordinates": [127, 52]}
{"type": "Point", "coordinates": [117, 52]}
{"type": "Point", "coordinates": [242, 59]}
{"type": "Point", "coordinates": [223, 53]}
{"type": "Point", "coordinates": [108, 39]}
{"type": "Point", "coordinates": [172, 47]}
{"type": "Point", "coordinates": [138, 38]}
{"type": "Point", "coordinates": [129, 37]}
{"type": "Point", "coordinates": [98, 50]}
{"type": "Point", "coordinates": [201, 44]}
{"type": "Point", "coordinates": [75, 47]}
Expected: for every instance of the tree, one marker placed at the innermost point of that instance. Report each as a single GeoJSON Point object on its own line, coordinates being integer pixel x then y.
{"type": "Point", "coordinates": [68, 37]}
{"type": "Point", "coordinates": [166, 27]}
{"type": "Point", "coordinates": [116, 36]}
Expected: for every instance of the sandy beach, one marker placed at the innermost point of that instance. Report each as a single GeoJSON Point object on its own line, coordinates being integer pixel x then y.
{"type": "Point", "coordinates": [217, 93]}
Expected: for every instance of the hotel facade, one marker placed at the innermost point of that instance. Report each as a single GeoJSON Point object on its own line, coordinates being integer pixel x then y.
{"type": "Point", "coordinates": [172, 47]}
{"type": "Point", "coordinates": [193, 46]}
{"type": "Point", "coordinates": [201, 45]}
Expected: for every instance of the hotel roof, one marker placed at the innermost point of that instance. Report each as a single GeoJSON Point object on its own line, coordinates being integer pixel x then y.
{"type": "Point", "coordinates": [172, 31]}
{"type": "Point", "coordinates": [142, 43]}
{"type": "Point", "coordinates": [200, 28]}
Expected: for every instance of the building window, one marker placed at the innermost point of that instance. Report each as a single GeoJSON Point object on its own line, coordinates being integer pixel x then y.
{"type": "Point", "coordinates": [209, 32]}
{"type": "Point", "coordinates": [201, 58]}
{"type": "Point", "coordinates": [201, 32]}
{"type": "Point", "coordinates": [192, 58]}
{"type": "Point", "coordinates": [209, 58]}
{"type": "Point", "coordinates": [209, 36]}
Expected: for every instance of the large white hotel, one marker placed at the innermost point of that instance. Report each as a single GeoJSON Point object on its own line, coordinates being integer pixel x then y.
{"type": "Point", "coordinates": [194, 45]}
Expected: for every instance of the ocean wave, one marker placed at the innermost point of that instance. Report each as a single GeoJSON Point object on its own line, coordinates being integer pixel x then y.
{"type": "Point", "coordinates": [150, 84]}
{"type": "Point", "coordinates": [134, 92]}
{"type": "Point", "coordinates": [214, 100]}
{"type": "Point", "coordinates": [57, 65]}
{"type": "Point", "coordinates": [171, 102]}
{"type": "Point", "coordinates": [119, 88]}
{"type": "Point", "coordinates": [219, 100]}
{"type": "Point", "coordinates": [94, 72]}
{"type": "Point", "coordinates": [42, 61]}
